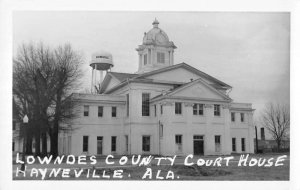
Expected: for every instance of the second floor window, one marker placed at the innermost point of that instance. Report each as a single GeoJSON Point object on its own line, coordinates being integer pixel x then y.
{"type": "Point", "coordinates": [178, 108]}
{"type": "Point", "coordinates": [145, 104]}
{"type": "Point", "coordinates": [242, 117]}
{"type": "Point", "coordinates": [160, 57]}
{"type": "Point", "coordinates": [198, 109]}
{"type": "Point", "coordinates": [100, 111]}
{"type": "Point", "coordinates": [113, 111]}
{"type": "Point", "coordinates": [232, 116]}
{"type": "Point", "coordinates": [86, 110]}
{"type": "Point", "coordinates": [161, 109]}
{"type": "Point", "coordinates": [217, 111]}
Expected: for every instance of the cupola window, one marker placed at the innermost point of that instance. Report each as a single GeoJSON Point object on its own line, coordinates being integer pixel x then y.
{"type": "Point", "coordinates": [160, 57]}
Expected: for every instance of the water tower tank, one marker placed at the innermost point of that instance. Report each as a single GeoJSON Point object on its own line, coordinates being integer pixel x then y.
{"type": "Point", "coordinates": [101, 61]}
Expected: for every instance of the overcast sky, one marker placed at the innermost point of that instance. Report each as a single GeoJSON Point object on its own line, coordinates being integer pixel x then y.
{"type": "Point", "coordinates": [249, 51]}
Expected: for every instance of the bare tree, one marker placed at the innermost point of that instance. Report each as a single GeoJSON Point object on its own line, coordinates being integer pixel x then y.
{"type": "Point", "coordinates": [276, 119]}
{"type": "Point", "coordinates": [43, 78]}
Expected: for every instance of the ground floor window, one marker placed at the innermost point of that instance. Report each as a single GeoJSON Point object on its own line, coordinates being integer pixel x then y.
{"type": "Point", "coordinates": [243, 144]}
{"type": "Point", "coordinates": [146, 143]}
{"type": "Point", "coordinates": [178, 142]}
{"type": "Point", "coordinates": [85, 144]}
{"type": "Point", "coordinates": [113, 143]}
{"type": "Point", "coordinates": [218, 143]}
{"type": "Point", "coordinates": [126, 142]}
{"type": "Point", "coordinates": [13, 146]}
{"type": "Point", "coordinates": [233, 145]}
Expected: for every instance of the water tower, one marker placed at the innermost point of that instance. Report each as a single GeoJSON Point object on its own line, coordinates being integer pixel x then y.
{"type": "Point", "coordinates": [101, 61]}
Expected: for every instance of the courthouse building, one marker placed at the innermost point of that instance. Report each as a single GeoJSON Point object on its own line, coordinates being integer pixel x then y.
{"type": "Point", "coordinates": [163, 109]}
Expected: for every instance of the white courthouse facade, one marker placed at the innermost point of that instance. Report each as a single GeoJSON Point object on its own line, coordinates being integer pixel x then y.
{"type": "Point", "coordinates": [162, 109]}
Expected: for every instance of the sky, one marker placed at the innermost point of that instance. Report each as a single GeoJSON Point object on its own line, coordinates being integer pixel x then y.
{"type": "Point", "coordinates": [250, 51]}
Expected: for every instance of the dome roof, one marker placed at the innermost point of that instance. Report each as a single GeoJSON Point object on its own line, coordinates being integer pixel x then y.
{"type": "Point", "coordinates": [156, 36]}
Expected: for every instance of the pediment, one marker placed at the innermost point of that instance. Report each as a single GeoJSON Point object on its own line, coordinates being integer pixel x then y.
{"type": "Point", "coordinates": [199, 90]}
{"type": "Point", "coordinates": [182, 73]}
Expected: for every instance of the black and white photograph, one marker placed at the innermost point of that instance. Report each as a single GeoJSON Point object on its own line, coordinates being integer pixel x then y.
{"type": "Point", "coordinates": [148, 95]}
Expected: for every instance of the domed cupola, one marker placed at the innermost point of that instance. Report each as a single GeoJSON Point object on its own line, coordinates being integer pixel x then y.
{"type": "Point", "coordinates": [156, 50]}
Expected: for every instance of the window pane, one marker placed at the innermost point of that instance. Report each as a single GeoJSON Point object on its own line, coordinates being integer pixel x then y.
{"type": "Point", "coordinates": [145, 104]}
{"type": "Point", "coordinates": [100, 111]}
{"type": "Point", "coordinates": [201, 109]}
{"type": "Point", "coordinates": [86, 110]}
{"type": "Point", "coordinates": [160, 57]}
{"type": "Point", "coordinates": [114, 111]}
{"type": "Point", "coordinates": [243, 144]}
{"type": "Point", "coordinates": [113, 143]}
{"type": "Point", "coordinates": [85, 144]}
{"type": "Point", "coordinates": [232, 116]}
{"type": "Point", "coordinates": [262, 133]}
{"type": "Point", "coordinates": [217, 110]}
{"type": "Point", "coordinates": [233, 145]}
{"type": "Point", "coordinates": [177, 108]}
{"type": "Point", "coordinates": [195, 109]}
{"type": "Point", "coordinates": [242, 117]}
{"type": "Point", "coordinates": [217, 143]}
{"type": "Point", "coordinates": [146, 143]}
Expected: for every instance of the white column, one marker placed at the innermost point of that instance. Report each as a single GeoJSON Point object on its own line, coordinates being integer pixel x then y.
{"type": "Point", "coordinates": [171, 62]}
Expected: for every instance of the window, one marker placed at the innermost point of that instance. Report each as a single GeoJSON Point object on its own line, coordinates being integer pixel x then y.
{"type": "Point", "coordinates": [217, 143]}
{"type": "Point", "coordinates": [100, 111]}
{"type": "Point", "coordinates": [86, 110]}
{"type": "Point", "coordinates": [145, 59]}
{"type": "Point", "coordinates": [178, 139]}
{"type": "Point", "coordinates": [232, 116]}
{"type": "Point", "coordinates": [127, 105]}
{"type": "Point", "coordinates": [262, 133]}
{"type": "Point", "coordinates": [113, 143]}
{"type": "Point", "coordinates": [178, 108]}
{"type": "Point", "coordinates": [155, 110]}
{"type": "Point", "coordinates": [126, 142]}
{"type": "Point", "coordinates": [217, 111]}
{"type": "Point", "coordinates": [242, 117]}
{"type": "Point", "coordinates": [113, 111]}
{"type": "Point", "coordinates": [178, 142]}
{"type": "Point", "coordinates": [161, 130]}
{"type": "Point", "coordinates": [85, 144]}
{"type": "Point", "coordinates": [145, 104]}
{"type": "Point", "coordinates": [161, 109]}
{"type": "Point", "coordinates": [146, 143]}
{"type": "Point", "coordinates": [198, 109]}
{"type": "Point", "coordinates": [243, 144]}
{"type": "Point", "coordinates": [160, 57]}
{"type": "Point", "coordinates": [233, 145]}
{"type": "Point", "coordinates": [13, 146]}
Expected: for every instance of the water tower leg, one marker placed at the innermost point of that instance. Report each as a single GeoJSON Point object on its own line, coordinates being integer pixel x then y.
{"type": "Point", "coordinates": [92, 81]}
